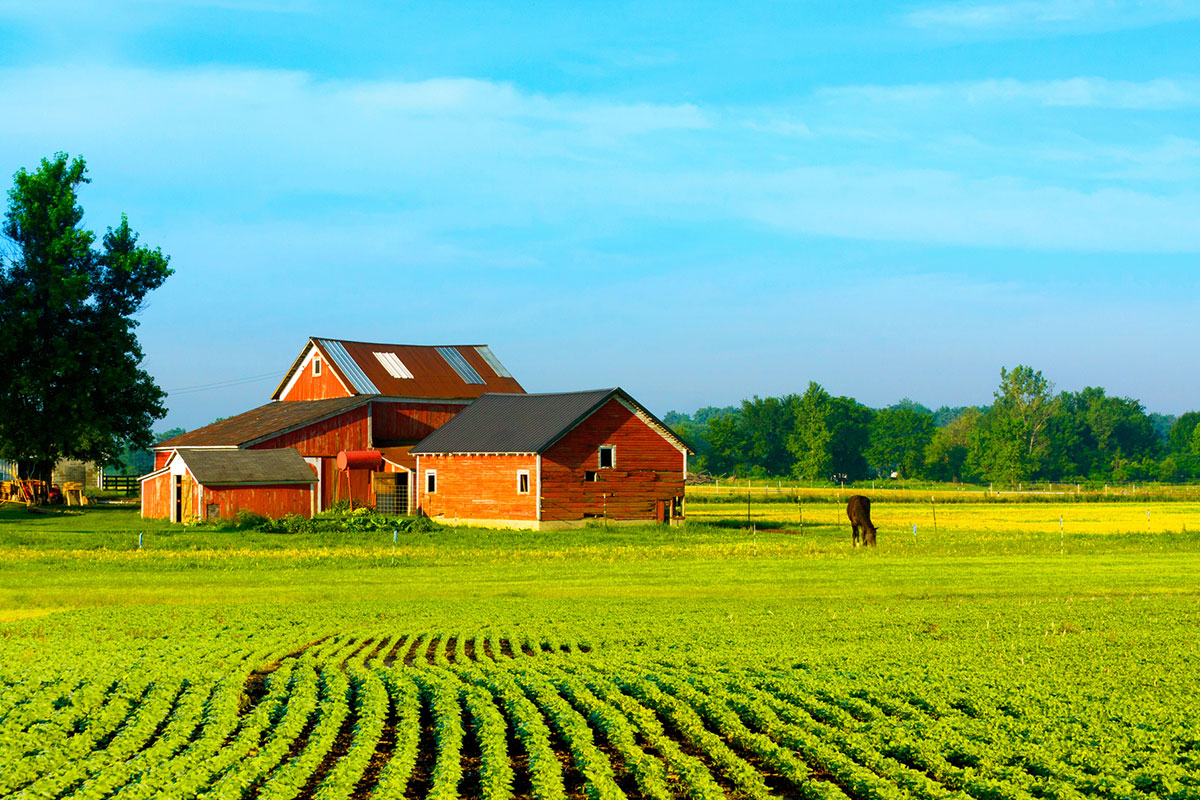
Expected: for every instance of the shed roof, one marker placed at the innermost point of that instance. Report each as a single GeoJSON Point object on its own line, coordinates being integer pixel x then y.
{"type": "Point", "coordinates": [408, 370]}
{"type": "Point", "coordinates": [526, 423]}
{"type": "Point", "coordinates": [226, 467]}
{"type": "Point", "coordinates": [262, 422]}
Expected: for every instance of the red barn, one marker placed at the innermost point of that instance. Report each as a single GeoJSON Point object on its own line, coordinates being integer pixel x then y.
{"type": "Point", "coordinates": [549, 461]}
{"type": "Point", "coordinates": [346, 396]}
{"type": "Point", "coordinates": [209, 484]}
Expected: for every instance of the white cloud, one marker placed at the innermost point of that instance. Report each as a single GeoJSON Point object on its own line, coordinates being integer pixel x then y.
{"type": "Point", "coordinates": [1049, 15]}
{"type": "Point", "coordinates": [428, 161]}
{"type": "Point", "coordinates": [1080, 92]}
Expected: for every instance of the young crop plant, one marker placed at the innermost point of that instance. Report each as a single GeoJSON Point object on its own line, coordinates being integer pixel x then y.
{"type": "Point", "coordinates": [490, 728]}
{"type": "Point", "coordinates": [333, 707]}
{"type": "Point", "coordinates": [440, 690]}
{"type": "Point", "coordinates": [405, 698]}
{"type": "Point", "coordinates": [647, 770]}
{"type": "Point", "coordinates": [371, 709]}
{"type": "Point", "coordinates": [592, 763]}
{"type": "Point", "coordinates": [695, 778]}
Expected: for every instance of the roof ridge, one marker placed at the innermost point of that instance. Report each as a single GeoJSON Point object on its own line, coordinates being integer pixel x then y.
{"type": "Point", "coordinates": [390, 344]}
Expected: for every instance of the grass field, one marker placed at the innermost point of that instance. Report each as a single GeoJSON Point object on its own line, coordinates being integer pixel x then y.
{"type": "Point", "coordinates": [995, 658]}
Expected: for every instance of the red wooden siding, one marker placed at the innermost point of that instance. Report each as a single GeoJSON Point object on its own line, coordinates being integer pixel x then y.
{"type": "Point", "coordinates": [160, 458]}
{"type": "Point", "coordinates": [410, 421]}
{"type": "Point", "coordinates": [307, 387]}
{"type": "Point", "coordinates": [479, 487]}
{"type": "Point", "coordinates": [346, 431]}
{"type": "Point", "coordinates": [270, 501]}
{"type": "Point", "coordinates": [647, 469]}
{"type": "Point", "coordinates": [156, 497]}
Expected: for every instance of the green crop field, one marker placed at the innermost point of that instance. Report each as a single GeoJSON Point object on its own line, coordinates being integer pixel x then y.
{"type": "Point", "coordinates": [1003, 656]}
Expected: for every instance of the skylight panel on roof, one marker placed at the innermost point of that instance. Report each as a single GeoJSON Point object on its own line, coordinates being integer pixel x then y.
{"type": "Point", "coordinates": [349, 367]}
{"type": "Point", "coordinates": [487, 355]}
{"type": "Point", "coordinates": [455, 359]}
{"type": "Point", "coordinates": [395, 367]}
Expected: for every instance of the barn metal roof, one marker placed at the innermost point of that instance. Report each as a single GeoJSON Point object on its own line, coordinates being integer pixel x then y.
{"type": "Point", "coordinates": [227, 467]}
{"type": "Point", "coordinates": [261, 422]}
{"type": "Point", "coordinates": [525, 423]}
{"type": "Point", "coordinates": [445, 371]}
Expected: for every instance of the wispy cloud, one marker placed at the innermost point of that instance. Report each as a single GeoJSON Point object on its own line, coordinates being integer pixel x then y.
{"type": "Point", "coordinates": [443, 156]}
{"type": "Point", "coordinates": [1080, 92]}
{"type": "Point", "coordinates": [1043, 15]}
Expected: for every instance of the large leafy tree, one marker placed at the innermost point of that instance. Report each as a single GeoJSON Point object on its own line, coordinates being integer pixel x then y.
{"type": "Point", "coordinates": [947, 454]}
{"type": "Point", "coordinates": [829, 437]}
{"type": "Point", "coordinates": [71, 385]}
{"type": "Point", "coordinates": [1013, 443]}
{"type": "Point", "coordinates": [898, 438]}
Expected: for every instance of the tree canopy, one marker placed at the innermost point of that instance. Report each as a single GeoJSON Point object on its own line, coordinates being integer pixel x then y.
{"type": "Point", "coordinates": [71, 384]}
{"type": "Point", "coordinates": [1028, 433]}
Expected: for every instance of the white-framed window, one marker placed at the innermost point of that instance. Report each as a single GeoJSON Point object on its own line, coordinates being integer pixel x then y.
{"type": "Point", "coordinates": [316, 366]}
{"type": "Point", "coordinates": [522, 481]}
{"type": "Point", "coordinates": [431, 481]}
{"type": "Point", "coordinates": [608, 456]}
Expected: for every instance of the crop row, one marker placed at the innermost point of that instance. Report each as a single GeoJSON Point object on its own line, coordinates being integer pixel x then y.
{"type": "Point", "coordinates": [454, 713]}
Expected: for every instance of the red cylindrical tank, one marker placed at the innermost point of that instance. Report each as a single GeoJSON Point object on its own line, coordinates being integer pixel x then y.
{"type": "Point", "coordinates": [360, 459]}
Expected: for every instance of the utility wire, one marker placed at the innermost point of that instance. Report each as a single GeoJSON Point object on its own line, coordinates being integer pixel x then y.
{"type": "Point", "coordinates": [204, 387]}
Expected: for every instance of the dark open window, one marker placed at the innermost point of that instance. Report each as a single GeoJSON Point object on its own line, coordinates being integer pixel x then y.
{"type": "Point", "coordinates": [431, 481]}
{"type": "Point", "coordinates": [523, 482]}
{"type": "Point", "coordinates": [316, 367]}
{"type": "Point", "coordinates": [608, 456]}
{"type": "Point", "coordinates": [589, 475]}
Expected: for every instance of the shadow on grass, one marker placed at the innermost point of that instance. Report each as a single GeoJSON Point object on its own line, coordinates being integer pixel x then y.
{"type": "Point", "coordinates": [774, 526]}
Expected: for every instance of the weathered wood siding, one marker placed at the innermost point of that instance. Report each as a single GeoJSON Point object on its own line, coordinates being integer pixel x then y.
{"type": "Point", "coordinates": [306, 387]}
{"type": "Point", "coordinates": [160, 458]}
{"type": "Point", "coordinates": [156, 497]}
{"type": "Point", "coordinates": [346, 431]}
{"type": "Point", "coordinates": [407, 421]}
{"type": "Point", "coordinates": [270, 501]}
{"type": "Point", "coordinates": [324, 440]}
{"type": "Point", "coordinates": [478, 487]}
{"type": "Point", "coordinates": [648, 469]}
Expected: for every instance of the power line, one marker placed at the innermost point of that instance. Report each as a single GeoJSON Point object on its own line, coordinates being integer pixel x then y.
{"type": "Point", "coordinates": [204, 387]}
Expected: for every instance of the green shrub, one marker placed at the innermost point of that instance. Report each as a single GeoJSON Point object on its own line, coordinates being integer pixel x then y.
{"type": "Point", "coordinates": [342, 520]}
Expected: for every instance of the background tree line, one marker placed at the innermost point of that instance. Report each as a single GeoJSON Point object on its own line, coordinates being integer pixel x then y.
{"type": "Point", "coordinates": [1028, 433]}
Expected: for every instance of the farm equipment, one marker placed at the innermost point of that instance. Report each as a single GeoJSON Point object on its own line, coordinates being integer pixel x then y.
{"type": "Point", "coordinates": [29, 492]}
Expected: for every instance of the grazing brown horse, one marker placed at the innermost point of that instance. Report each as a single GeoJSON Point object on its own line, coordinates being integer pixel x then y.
{"type": "Point", "coordinates": [858, 509]}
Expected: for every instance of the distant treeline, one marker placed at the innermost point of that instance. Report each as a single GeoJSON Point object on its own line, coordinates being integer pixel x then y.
{"type": "Point", "coordinates": [1029, 433]}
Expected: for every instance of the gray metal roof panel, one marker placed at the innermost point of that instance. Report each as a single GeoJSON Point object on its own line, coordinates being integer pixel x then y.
{"type": "Point", "coordinates": [487, 355]}
{"type": "Point", "coordinates": [513, 423]}
{"type": "Point", "coordinates": [230, 467]}
{"type": "Point", "coordinates": [459, 364]}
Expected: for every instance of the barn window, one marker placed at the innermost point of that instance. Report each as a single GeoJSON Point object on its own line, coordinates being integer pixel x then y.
{"type": "Point", "coordinates": [523, 481]}
{"type": "Point", "coordinates": [430, 481]}
{"type": "Point", "coordinates": [589, 475]}
{"type": "Point", "coordinates": [608, 456]}
{"type": "Point", "coordinates": [316, 367]}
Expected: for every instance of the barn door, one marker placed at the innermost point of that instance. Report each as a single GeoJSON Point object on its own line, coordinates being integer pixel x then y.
{"type": "Point", "coordinates": [188, 507]}
{"type": "Point", "coordinates": [662, 511]}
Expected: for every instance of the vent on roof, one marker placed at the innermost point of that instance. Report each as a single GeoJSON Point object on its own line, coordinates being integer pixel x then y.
{"type": "Point", "coordinates": [395, 367]}
{"type": "Point", "coordinates": [348, 366]}
{"type": "Point", "coordinates": [487, 355]}
{"type": "Point", "coordinates": [455, 359]}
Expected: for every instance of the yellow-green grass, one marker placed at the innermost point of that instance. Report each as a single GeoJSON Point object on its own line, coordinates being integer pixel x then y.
{"type": "Point", "coordinates": [898, 518]}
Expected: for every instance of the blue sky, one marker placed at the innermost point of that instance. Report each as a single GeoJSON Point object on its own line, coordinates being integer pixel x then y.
{"type": "Point", "coordinates": [695, 202]}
